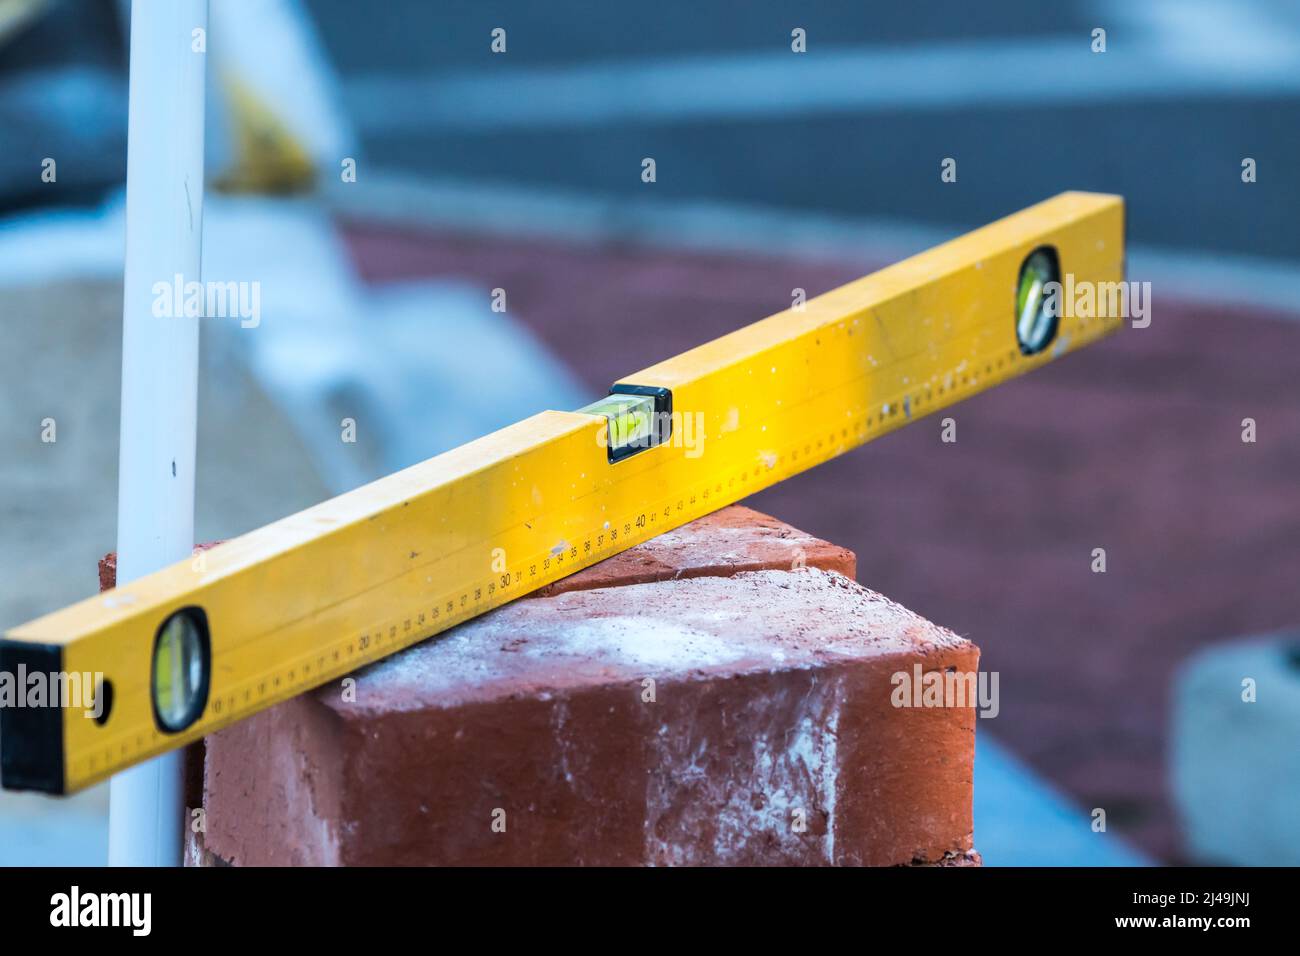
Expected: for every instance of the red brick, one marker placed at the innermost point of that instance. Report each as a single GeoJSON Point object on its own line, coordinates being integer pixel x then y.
{"type": "Point", "coordinates": [108, 571]}
{"type": "Point", "coordinates": [108, 565]}
{"type": "Point", "coordinates": [772, 693]}
{"type": "Point", "coordinates": [727, 542]}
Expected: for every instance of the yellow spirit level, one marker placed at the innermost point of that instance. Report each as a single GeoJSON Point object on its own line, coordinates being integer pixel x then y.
{"type": "Point", "coordinates": [185, 651]}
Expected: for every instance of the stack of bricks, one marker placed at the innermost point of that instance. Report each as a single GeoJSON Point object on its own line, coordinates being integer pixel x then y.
{"type": "Point", "coordinates": [723, 694]}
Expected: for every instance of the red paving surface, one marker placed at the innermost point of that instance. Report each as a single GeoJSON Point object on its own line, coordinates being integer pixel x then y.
{"type": "Point", "coordinates": [1133, 445]}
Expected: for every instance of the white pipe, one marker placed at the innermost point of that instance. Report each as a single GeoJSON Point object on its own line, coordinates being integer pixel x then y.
{"type": "Point", "coordinates": [155, 494]}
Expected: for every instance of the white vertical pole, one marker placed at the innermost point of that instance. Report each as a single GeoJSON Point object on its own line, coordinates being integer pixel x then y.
{"type": "Point", "coordinates": [155, 494]}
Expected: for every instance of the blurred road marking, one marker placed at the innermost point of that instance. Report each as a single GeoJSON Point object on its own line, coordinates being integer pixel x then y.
{"type": "Point", "coordinates": [1201, 31]}
{"type": "Point", "coordinates": [1023, 820]}
{"type": "Point", "coordinates": [938, 76]}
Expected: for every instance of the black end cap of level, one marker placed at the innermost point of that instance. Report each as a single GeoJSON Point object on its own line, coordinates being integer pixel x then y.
{"type": "Point", "coordinates": [31, 738]}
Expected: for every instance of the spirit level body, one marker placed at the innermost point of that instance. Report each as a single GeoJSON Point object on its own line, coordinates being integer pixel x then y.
{"type": "Point", "coordinates": [313, 596]}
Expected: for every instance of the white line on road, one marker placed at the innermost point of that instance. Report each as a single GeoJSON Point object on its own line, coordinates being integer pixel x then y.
{"type": "Point", "coordinates": [939, 76]}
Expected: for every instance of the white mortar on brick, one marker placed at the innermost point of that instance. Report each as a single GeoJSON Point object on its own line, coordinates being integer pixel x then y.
{"type": "Point", "coordinates": [656, 630]}
{"type": "Point", "coordinates": [642, 642]}
{"type": "Point", "coordinates": [798, 772]}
